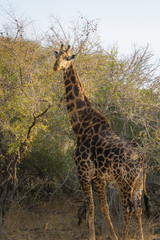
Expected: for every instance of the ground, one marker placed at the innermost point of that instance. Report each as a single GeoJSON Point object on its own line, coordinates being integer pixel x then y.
{"type": "Point", "coordinates": [57, 220]}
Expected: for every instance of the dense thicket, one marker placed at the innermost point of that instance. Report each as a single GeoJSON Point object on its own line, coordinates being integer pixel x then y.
{"type": "Point", "coordinates": [36, 139]}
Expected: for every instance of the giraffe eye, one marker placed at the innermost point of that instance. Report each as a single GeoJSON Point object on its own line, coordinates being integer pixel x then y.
{"type": "Point", "coordinates": [67, 58]}
{"type": "Point", "coordinates": [55, 53]}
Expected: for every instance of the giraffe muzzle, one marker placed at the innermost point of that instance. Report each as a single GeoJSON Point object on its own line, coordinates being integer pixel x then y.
{"type": "Point", "coordinates": [56, 68]}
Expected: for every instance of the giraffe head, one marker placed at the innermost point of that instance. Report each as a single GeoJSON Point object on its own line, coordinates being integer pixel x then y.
{"type": "Point", "coordinates": [63, 58]}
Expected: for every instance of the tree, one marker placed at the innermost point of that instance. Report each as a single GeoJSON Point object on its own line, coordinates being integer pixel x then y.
{"type": "Point", "coordinates": [22, 104]}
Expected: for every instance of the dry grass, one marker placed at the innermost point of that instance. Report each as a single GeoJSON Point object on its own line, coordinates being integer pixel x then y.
{"type": "Point", "coordinates": [57, 220]}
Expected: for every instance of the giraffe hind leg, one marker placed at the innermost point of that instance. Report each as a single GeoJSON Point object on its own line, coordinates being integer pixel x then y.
{"type": "Point", "coordinates": [127, 213]}
{"type": "Point", "coordinates": [137, 195]}
{"type": "Point", "coordinates": [128, 208]}
{"type": "Point", "coordinates": [138, 212]}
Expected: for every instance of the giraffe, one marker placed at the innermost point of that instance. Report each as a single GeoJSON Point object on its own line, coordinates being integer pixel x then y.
{"type": "Point", "coordinates": [100, 155]}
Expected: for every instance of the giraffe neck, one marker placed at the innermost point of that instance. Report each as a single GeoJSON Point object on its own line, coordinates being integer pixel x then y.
{"type": "Point", "coordinates": [78, 104]}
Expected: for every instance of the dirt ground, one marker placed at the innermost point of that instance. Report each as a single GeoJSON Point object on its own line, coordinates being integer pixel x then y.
{"type": "Point", "coordinates": [57, 220]}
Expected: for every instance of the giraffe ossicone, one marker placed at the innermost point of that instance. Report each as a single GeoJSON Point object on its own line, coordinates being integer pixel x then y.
{"type": "Point", "coordinates": [100, 155]}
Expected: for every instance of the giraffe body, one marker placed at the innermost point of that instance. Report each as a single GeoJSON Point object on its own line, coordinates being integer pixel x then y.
{"type": "Point", "coordinates": [100, 155]}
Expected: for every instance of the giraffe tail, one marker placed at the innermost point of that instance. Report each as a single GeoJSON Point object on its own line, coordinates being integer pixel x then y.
{"type": "Point", "coordinates": [146, 197]}
{"type": "Point", "coordinates": [147, 205]}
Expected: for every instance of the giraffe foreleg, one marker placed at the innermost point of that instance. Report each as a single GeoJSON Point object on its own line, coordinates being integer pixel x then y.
{"type": "Point", "coordinates": [100, 186]}
{"type": "Point", "coordinates": [87, 190]}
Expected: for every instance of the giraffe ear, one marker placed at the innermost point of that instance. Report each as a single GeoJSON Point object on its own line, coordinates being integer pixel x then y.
{"type": "Point", "coordinates": [70, 58]}
{"type": "Point", "coordinates": [55, 53]}
{"type": "Point", "coordinates": [73, 57]}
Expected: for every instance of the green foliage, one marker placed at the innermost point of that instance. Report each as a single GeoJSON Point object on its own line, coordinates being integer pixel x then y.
{"type": "Point", "coordinates": [46, 157]}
